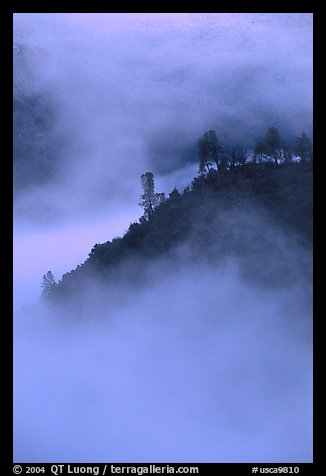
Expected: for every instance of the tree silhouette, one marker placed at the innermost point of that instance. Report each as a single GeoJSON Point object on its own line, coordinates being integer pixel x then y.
{"type": "Point", "coordinates": [213, 146]}
{"type": "Point", "coordinates": [48, 282]}
{"type": "Point", "coordinates": [272, 144]}
{"type": "Point", "coordinates": [149, 199]}
{"type": "Point", "coordinates": [175, 194]}
{"type": "Point", "coordinates": [204, 162]}
{"type": "Point", "coordinates": [238, 156]}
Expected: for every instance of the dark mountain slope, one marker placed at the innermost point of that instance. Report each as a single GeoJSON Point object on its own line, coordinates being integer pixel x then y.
{"type": "Point", "coordinates": [258, 214]}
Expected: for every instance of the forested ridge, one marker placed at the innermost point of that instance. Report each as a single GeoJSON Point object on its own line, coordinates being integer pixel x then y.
{"type": "Point", "coordinates": [238, 211]}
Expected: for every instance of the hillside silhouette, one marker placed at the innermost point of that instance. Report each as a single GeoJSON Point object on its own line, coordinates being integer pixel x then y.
{"type": "Point", "coordinates": [257, 213]}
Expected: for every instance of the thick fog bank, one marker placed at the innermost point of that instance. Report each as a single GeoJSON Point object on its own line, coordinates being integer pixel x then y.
{"type": "Point", "coordinates": [198, 365]}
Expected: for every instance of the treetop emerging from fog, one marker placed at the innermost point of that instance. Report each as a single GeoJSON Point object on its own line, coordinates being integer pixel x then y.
{"type": "Point", "coordinates": [93, 87]}
{"type": "Point", "coordinates": [149, 200]}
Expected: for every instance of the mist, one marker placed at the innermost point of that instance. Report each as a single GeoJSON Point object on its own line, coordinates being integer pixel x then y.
{"type": "Point", "coordinates": [196, 366]}
{"type": "Point", "coordinates": [182, 358]}
{"type": "Point", "coordinates": [127, 93]}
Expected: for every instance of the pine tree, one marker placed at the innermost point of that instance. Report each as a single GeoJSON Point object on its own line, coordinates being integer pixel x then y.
{"type": "Point", "coordinates": [149, 200]}
{"type": "Point", "coordinates": [48, 283]}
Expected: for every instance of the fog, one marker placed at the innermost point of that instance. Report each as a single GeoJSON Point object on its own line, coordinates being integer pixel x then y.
{"type": "Point", "coordinates": [200, 361]}
{"type": "Point", "coordinates": [183, 358]}
{"type": "Point", "coordinates": [129, 93]}
{"type": "Point", "coordinates": [194, 366]}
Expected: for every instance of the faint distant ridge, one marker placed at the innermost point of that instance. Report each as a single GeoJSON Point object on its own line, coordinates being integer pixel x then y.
{"type": "Point", "coordinates": [238, 205]}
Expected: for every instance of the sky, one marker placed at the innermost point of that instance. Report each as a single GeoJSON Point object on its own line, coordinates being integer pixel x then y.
{"type": "Point", "coordinates": [221, 371]}
{"type": "Point", "coordinates": [134, 92]}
